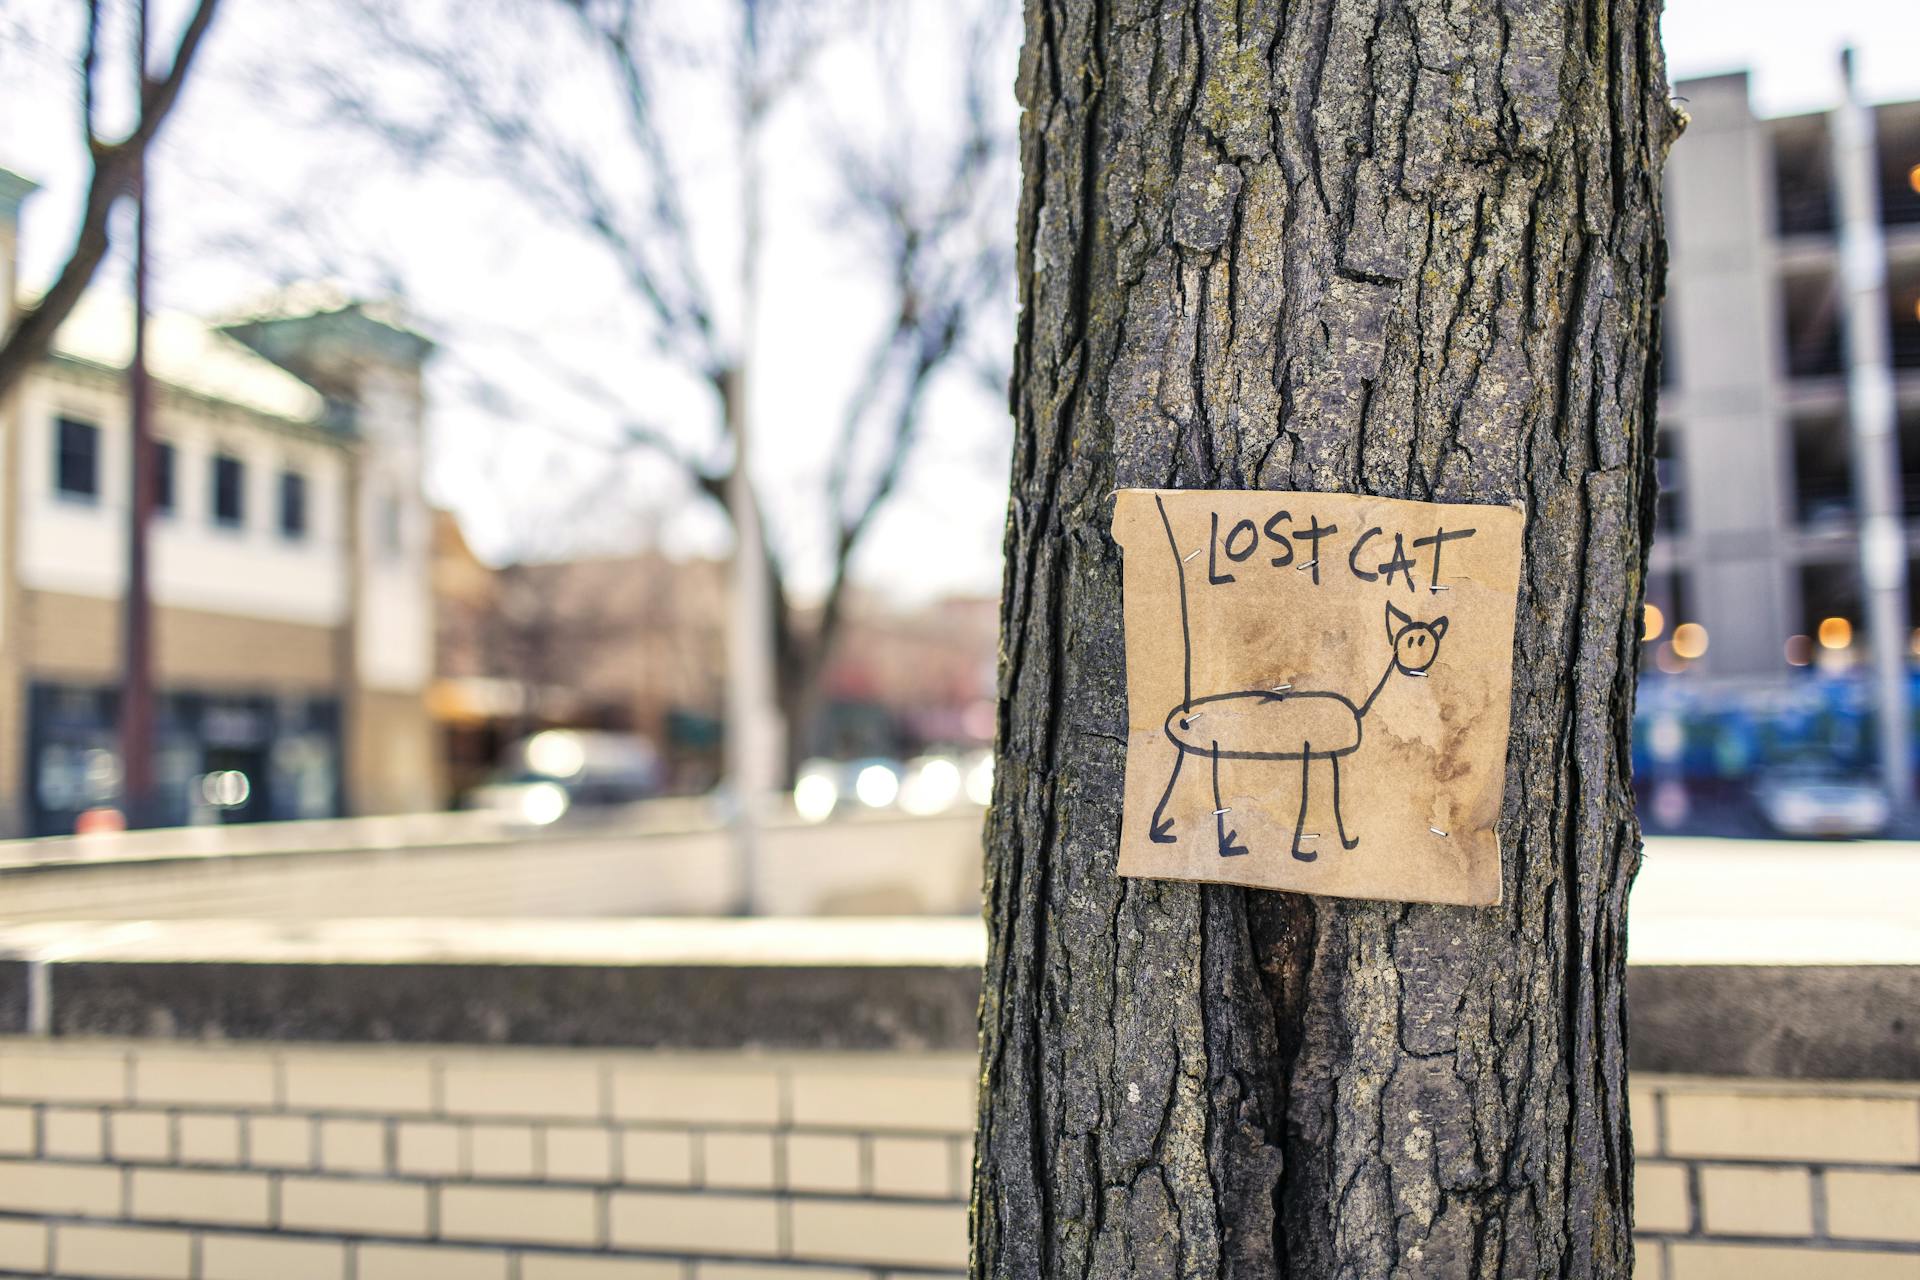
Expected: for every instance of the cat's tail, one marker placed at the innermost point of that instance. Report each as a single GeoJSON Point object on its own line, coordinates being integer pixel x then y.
{"type": "Point", "coordinates": [1186, 632]}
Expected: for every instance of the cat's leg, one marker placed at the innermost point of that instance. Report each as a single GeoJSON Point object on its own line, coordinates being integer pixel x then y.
{"type": "Point", "coordinates": [1338, 823]}
{"type": "Point", "coordinates": [1160, 829]}
{"type": "Point", "coordinates": [1300, 823]}
{"type": "Point", "coordinates": [1228, 849]}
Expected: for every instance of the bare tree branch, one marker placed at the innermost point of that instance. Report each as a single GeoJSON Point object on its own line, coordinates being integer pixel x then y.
{"type": "Point", "coordinates": [917, 207]}
{"type": "Point", "coordinates": [115, 163]}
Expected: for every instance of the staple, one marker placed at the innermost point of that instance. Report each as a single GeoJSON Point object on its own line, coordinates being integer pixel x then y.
{"type": "Point", "coordinates": [1438, 589]}
{"type": "Point", "coordinates": [1280, 688]}
{"type": "Point", "coordinates": [1437, 831]}
{"type": "Point", "coordinates": [1421, 674]}
{"type": "Point", "coordinates": [1308, 565]}
{"type": "Point", "coordinates": [1190, 555]}
{"type": "Point", "coordinates": [1311, 835]}
{"type": "Point", "coordinates": [1218, 812]}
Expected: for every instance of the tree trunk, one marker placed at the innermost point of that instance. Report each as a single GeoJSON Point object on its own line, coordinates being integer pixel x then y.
{"type": "Point", "coordinates": [1410, 249]}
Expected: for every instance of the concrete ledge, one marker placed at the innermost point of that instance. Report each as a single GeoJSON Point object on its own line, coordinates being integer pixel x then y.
{"type": "Point", "coordinates": [1811, 1022]}
{"type": "Point", "coordinates": [853, 984]}
{"type": "Point", "coordinates": [678, 984]}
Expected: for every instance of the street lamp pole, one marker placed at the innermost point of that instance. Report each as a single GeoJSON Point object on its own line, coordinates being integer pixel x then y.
{"type": "Point", "coordinates": [1870, 416]}
{"type": "Point", "coordinates": [136, 693]}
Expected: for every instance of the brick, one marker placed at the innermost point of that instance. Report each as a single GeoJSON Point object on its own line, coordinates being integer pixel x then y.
{"type": "Point", "coordinates": [710, 1223]}
{"type": "Point", "coordinates": [67, 1190]}
{"type": "Point", "coordinates": [738, 1160]}
{"type": "Point", "coordinates": [501, 1150]}
{"type": "Point", "coordinates": [353, 1146]}
{"type": "Point", "coordinates": [577, 1153]}
{"type": "Point", "coordinates": [550, 1088]}
{"type": "Point", "coordinates": [558, 1266]}
{"type": "Point", "coordinates": [187, 1195]}
{"type": "Point", "coordinates": [69, 1134]}
{"type": "Point", "coordinates": [1649, 1260]}
{"type": "Point", "coordinates": [422, 1262]}
{"type": "Point", "coordinates": [144, 1136]}
{"type": "Point", "coordinates": [132, 1253]}
{"type": "Point", "coordinates": [369, 1208]}
{"type": "Point", "coordinates": [425, 1147]}
{"type": "Point", "coordinates": [238, 1257]}
{"type": "Point", "coordinates": [370, 1083]}
{"type": "Point", "coordinates": [1693, 1260]}
{"type": "Point", "coordinates": [1787, 1127]}
{"type": "Point", "coordinates": [912, 1167]}
{"type": "Point", "coordinates": [1643, 1113]}
{"type": "Point", "coordinates": [17, 1132]}
{"type": "Point", "coordinates": [280, 1142]}
{"type": "Point", "coordinates": [44, 1074]}
{"type": "Point", "coordinates": [1741, 1200]}
{"type": "Point", "coordinates": [688, 1097]}
{"type": "Point", "coordinates": [204, 1079]}
{"type": "Point", "coordinates": [1871, 1205]}
{"type": "Point", "coordinates": [872, 1231]}
{"type": "Point", "coordinates": [537, 1215]}
{"type": "Point", "coordinates": [209, 1139]}
{"type": "Point", "coordinates": [658, 1157]}
{"type": "Point", "coordinates": [23, 1245]}
{"type": "Point", "coordinates": [823, 1162]}
{"type": "Point", "coordinates": [856, 1100]}
{"type": "Point", "coordinates": [1661, 1198]}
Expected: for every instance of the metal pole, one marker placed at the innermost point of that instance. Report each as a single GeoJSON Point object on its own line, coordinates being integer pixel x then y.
{"type": "Point", "coordinates": [1870, 415]}
{"type": "Point", "coordinates": [136, 704]}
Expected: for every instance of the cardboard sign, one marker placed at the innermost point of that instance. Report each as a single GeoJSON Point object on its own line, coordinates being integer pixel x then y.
{"type": "Point", "coordinates": [1317, 691]}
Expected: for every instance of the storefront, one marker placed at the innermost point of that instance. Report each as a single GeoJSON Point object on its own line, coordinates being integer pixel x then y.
{"type": "Point", "coordinates": [219, 757]}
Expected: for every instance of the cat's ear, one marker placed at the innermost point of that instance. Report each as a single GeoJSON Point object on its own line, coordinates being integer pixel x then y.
{"type": "Point", "coordinates": [1396, 622]}
{"type": "Point", "coordinates": [1438, 627]}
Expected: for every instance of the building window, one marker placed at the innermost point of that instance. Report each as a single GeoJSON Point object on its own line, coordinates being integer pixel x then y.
{"type": "Point", "coordinates": [293, 505]}
{"type": "Point", "coordinates": [162, 477]}
{"type": "Point", "coordinates": [76, 471]}
{"type": "Point", "coordinates": [229, 491]}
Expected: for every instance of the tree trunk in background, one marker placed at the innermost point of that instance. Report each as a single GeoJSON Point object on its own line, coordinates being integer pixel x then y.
{"type": "Point", "coordinates": [1407, 249]}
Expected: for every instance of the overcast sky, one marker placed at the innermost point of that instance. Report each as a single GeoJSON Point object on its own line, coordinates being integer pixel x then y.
{"type": "Point", "coordinates": [484, 271]}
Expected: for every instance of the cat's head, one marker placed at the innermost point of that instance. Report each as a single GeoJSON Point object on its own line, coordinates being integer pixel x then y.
{"type": "Point", "coordinates": [1415, 644]}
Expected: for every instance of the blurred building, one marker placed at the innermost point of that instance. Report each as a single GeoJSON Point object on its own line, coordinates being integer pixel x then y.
{"type": "Point", "coordinates": [905, 680]}
{"type": "Point", "coordinates": [630, 643]}
{"type": "Point", "coordinates": [1758, 538]}
{"type": "Point", "coordinates": [637, 643]}
{"type": "Point", "coordinates": [292, 616]}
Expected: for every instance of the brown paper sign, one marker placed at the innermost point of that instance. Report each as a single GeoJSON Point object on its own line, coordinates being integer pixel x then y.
{"type": "Point", "coordinates": [1317, 690]}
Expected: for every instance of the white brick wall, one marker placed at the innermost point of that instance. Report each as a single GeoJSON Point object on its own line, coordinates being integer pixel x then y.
{"type": "Point", "coordinates": [163, 1162]}
{"type": "Point", "coordinates": [1771, 1179]}
{"type": "Point", "coordinates": [166, 1162]}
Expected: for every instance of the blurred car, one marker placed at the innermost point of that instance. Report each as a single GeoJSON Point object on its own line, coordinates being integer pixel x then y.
{"type": "Point", "coordinates": [923, 786]}
{"type": "Point", "coordinates": [826, 787]}
{"type": "Point", "coordinates": [564, 771]}
{"type": "Point", "coordinates": [1821, 801]}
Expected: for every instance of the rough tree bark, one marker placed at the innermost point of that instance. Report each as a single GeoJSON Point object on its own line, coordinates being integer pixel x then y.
{"type": "Point", "coordinates": [1401, 247]}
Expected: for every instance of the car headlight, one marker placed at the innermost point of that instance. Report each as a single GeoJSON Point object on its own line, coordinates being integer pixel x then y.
{"type": "Point", "coordinates": [544, 803]}
{"type": "Point", "coordinates": [814, 797]}
{"type": "Point", "coordinates": [877, 786]}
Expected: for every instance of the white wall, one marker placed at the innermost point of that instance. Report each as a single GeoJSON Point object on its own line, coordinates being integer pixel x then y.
{"type": "Point", "coordinates": [78, 548]}
{"type": "Point", "coordinates": [395, 624]}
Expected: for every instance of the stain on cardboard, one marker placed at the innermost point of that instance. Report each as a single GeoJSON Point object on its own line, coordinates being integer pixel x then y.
{"type": "Point", "coordinates": [1318, 691]}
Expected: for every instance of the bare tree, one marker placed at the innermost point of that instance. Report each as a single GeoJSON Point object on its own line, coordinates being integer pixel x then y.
{"type": "Point", "coordinates": [921, 210]}
{"type": "Point", "coordinates": [115, 162]}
